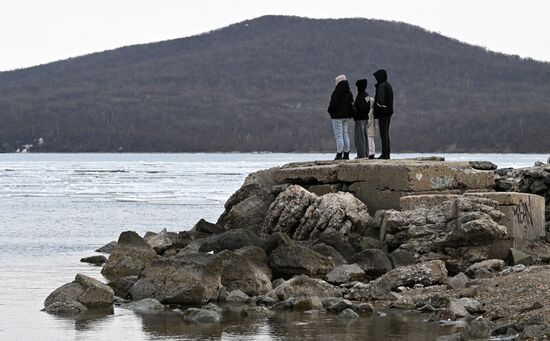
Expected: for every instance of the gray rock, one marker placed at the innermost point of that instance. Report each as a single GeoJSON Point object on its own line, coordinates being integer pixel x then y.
{"type": "Point", "coordinates": [516, 257]}
{"type": "Point", "coordinates": [96, 260]}
{"type": "Point", "coordinates": [248, 207]}
{"type": "Point", "coordinates": [373, 261]}
{"type": "Point", "coordinates": [535, 332]}
{"type": "Point", "coordinates": [237, 296]}
{"type": "Point", "coordinates": [129, 257]}
{"type": "Point", "coordinates": [107, 248]}
{"type": "Point", "coordinates": [435, 300]}
{"type": "Point", "coordinates": [339, 305]}
{"type": "Point", "coordinates": [339, 242]}
{"type": "Point", "coordinates": [230, 240]}
{"type": "Point", "coordinates": [364, 309]}
{"type": "Point", "coordinates": [348, 314]}
{"type": "Point", "coordinates": [307, 303]}
{"type": "Point", "coordinates": [147, 305]}
{"type": "Point", "coordinates": [191, 279]}
{"type": "Point", "coordinates": [85, 290]}
{"type": "Point", "coordinates": [201, 316]}
{"type": "Point", "coordinates": [283, 305]}
{"type": "Point", "coordinates": [96, 294]}
{"type": "Point", "coordinates": [304, 286]}
{"type": "Point", "coordinates": [256, 312]}
{"type": "Point", "coordinates": [276, 240]}
{"type": "Point", "coordinates": [402, 258]}
{"type": "Point", "coordinates": [239, 272]}
{"type": "Point", "coordinates": [458, 281]}
{"type": "Point", "coordinates": [287, 261]}
{"type": "Point", "coordinates": [457, 308]}
{"type": "Point", "coordinates": [65, 308]}
{"type": "Point", "coordinates": [345, 273]}
{"type": "Point", "coordinates": [204, 226]}
{"type": "Point", "coordinates": [404, 303]}
{"type": "Point", "coordinates": [160, 242]}
{"type": "Point", "coordinates": [483, 165]}
{"type": "Point", "coordinates": [212, 306]}
{"type": "Point", "coordinates": [304, 215]}
{"type": "Point", "coordinates": [490, 265]}
{"type": "Point", "coordinates": [122, 286]}
{"type": "Point", "coordinates": [427, 273]}
{"type": "Point", "coordinates": [330, 252]}
{"type": "Point", "coordinates": [471, 305]}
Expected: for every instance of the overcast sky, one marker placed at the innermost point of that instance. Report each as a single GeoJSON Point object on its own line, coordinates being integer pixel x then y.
{"type": "Point", "coordinates": [39, 31]}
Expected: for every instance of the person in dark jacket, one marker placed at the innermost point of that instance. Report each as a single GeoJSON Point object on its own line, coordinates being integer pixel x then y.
{"type": "Point", "coordinates": [383, 110]}
{"type": "Point", "coordinates": [341, 110]}
{"type": "Point", "coordinates": [365, 124]}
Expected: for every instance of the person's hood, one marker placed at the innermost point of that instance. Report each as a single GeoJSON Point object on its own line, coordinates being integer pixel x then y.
{"type": "Point", "coordinates": [381, 76]}
{"type": "Point", "coordinates": [343, 87]}
{"type": "Point", "coordinates": [361, 85]}
{"type": "Point", "coordinates": [340, 79]}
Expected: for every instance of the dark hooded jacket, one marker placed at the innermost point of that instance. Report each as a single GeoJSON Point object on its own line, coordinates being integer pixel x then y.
{"type": "Point", "coordinates": [341, 102]}
{"type": "Point", "coordinates": [362, 102]}
{"type": "Point", "coordinates": [383, 100]}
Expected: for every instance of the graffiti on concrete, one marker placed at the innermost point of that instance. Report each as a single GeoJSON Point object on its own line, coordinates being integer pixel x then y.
{"type": "Point", "coordinates": [522, 212]}
{"type": "Point", "coordinates": [442, 182]}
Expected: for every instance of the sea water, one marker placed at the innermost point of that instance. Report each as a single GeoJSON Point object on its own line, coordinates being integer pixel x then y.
{"type": "Point", "coordinates": [58, 208]}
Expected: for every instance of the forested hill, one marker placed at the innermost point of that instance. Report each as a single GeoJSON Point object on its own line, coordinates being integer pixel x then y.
{"type": "Point", "coordinates": [264, 85]}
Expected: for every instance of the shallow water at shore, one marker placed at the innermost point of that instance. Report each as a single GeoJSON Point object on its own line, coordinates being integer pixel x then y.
{"type": "Point", "coordinates": [57, 208]}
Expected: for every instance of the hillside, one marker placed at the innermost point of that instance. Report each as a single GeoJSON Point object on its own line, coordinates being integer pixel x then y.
{"type": "Point", "coordinates": [264, 85]}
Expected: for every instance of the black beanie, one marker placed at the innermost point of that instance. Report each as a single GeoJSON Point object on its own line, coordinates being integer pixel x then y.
{"type": "Point", "coordinates": [361, 84]}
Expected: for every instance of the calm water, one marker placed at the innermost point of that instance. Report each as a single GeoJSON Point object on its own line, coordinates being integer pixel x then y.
{"type": "Point", "coordinates": [57, 208]}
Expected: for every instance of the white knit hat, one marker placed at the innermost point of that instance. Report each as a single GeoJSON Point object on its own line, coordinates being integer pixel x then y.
{"type": "Point", "coordinates": [340, 78]}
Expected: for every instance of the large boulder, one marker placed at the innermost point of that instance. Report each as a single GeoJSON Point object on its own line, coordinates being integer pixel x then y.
{"type": "Point", "coordinates": [305, 215]}
{"type": "Point", "coordinates": [345, 273]}
{"type": "Point", "coordinates": [304, 286]}
{"type": "Point", "coordinates": [240, 272]}
{"type": "Point", "coordinates": [247, 207]}
{"type": "Point", "coordinates": [129, 257]}
{"type": "Point", "coordinates": [85, 290]}
{"type": "Point", "coordinates": [230, 240]}
{"type": "Point", "coordinates": [330, 252]}
{"type": "Point", "coordinates": [374, 262]}
{"type": "Point", "coordinates": [190, 279]}
{"type": "Point", "coordinates": [287, 261]}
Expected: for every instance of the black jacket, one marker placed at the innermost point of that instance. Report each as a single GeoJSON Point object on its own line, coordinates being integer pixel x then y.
{"type": "Point", "coordinates": [341, 102]}
{"type": "Point", "coordinates": [383, 100]}
{"type": "Point", "coordinates": [362, 106]}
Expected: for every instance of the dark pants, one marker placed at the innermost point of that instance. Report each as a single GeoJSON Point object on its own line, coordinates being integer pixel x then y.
{"type": "Point", "coordinates": [384, 126]}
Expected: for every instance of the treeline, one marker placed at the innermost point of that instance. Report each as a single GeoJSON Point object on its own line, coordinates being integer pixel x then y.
{"type": "Point", "coordinates": [264, 85]}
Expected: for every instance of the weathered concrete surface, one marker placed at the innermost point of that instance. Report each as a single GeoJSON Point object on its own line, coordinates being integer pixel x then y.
{"type": "Point", "coordinates": [381, 183]}
{"type": "Point", "coordinates": [413, 202]}
{"type": "Point", "coordinates": [524, 213]}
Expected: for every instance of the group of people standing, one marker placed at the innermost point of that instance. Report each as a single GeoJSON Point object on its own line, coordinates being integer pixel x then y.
{"type": "Point", "coordinates": [367, 113]}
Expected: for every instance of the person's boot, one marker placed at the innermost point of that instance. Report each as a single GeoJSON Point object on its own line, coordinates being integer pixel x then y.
{"type": "Point", "coordinates": [345, 156]}
{"type": "Point", "coordinates": [371, 156]}
{"type": "Point", "coordinates": [338, 156]}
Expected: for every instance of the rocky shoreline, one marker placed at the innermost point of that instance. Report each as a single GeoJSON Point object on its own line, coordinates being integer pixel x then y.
{"type": "Point", "coordinates": [351, 239]}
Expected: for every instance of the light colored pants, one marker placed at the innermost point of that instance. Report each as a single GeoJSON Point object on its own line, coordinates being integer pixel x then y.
{"type": "Point", "coordinates": [363, 143]}
{"type": "Point", "coordinates": [372, 149]}
{"type": "Point", "coordinates": [340, 128]}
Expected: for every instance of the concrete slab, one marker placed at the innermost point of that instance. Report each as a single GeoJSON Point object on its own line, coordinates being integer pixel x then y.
{"type": "Point", "coordinates": [524, 213]}
{"type": "Point", "coordinates": [412, 202]}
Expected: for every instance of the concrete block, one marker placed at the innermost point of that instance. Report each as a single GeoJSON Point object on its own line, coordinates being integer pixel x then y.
{"type": "Point", "coordinates": [412, 202]}
{"type": "Point", "coordinates": [309, 174]}
{"type": "Point", "coordinates": [325, 188]}
{"type": "Point", "coordinates": [524, 213]}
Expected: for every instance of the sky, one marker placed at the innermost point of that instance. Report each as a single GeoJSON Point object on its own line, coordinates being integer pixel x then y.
{"type": "Point", "coordinates": [35, 32]}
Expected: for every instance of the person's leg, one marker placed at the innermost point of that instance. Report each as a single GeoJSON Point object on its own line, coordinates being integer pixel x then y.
{"type": "Point", "coordinates": [345, 138]}
{"type": "Point", "coordinates": [337, 129]}
{"type": "Point", "coordinates": [388, 137]}
{"type": "Point", "coordinates": [383, 135]}
{"type": "Point", "coordinates": [360, 138]}
{"type": "Point", "coordinates": [372, 149]}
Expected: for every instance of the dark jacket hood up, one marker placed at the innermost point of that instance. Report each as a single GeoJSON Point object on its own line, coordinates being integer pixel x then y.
{"type": "Point", "coordinates": [381, 76]}
{"type": "Point", "coordinates": [361, 85]}
{"type": "Point", "coordinates": [341, 101]}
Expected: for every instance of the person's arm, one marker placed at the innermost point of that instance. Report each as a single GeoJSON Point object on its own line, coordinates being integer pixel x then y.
{"type": "Point", "coordinates": [332, 105]}
{"type": "Point", "coordinates": [381, 96]}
